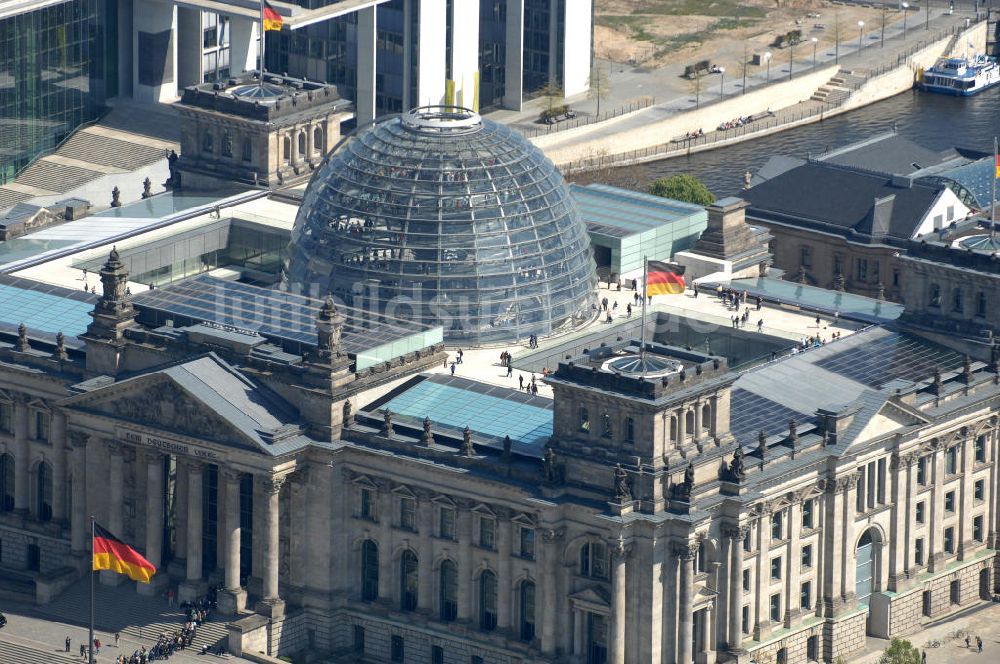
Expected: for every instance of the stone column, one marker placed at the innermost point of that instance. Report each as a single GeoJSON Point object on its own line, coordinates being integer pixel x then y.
{"type": "Point", "coordinates": [850, 571]}
{"type": "Point", "coordinates": [366, 45]}
{"type": "Point", "coordinates": [793, 563]}
{"type": "Point", "coordinates": [464, 565]}
{"type": "Point", "coordinates": [762, 626]}
{"type": "Point", "coordinates": [965, 500]}
{"type": "Point", "coordinates": [697, 420]}
{"type": "Point", "coordinates": [78, 517]}
{"type": "Point", "coordinates": [387, 586]}
{"type": "Point", "coordinates": [503, 575]}
{"type": "Point", "coordinates": [549, 563]}
{"type": "Point", "coordinates": [616, 650]}
{"type": "Point", "coordinates": [935, 550]}
{"type": "Point", "coordinates": [685, 590]}
{"type": "Point", "coordinates": [899, 528]}
{"type": "Point", "coordinates": [272, 605]}
{"type": "Point", "coordinates": [579, 617]}
{"type": "Point", "coordinates": [21, 453]}
{"type": "Point", "coordinates": [154, 521]}
{"type": "Point", "coordinates": [179, 563]}
{"type": "Point", "coordinates": [734, 540]}
{"type": "Point", "coordinates": [233, 598]}
{"type": "Point", "coordinates": [425, 563]}
{"type": "Point", "coordinates": [115, 488]}
{"type": "Point", "coordinates": [833, 536]}
{"type": "Point", "coordinates": [681, 432]}
{"type": "Point", "coordinates": [57, 436]}
{"type": "Point", "coordinates": [193, 586]}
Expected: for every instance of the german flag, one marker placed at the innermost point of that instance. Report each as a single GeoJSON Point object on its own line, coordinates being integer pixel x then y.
{"type": "Point", "coordinates": [664, 278]}
{"type": "Point", "coordinates": [998, 166]}
{"type": "Point", "coordinates": [272, 19]}
{"type": "Point", "coordinates": [113, 554]}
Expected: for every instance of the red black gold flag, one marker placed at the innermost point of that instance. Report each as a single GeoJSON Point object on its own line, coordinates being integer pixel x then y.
{"type": "Point", "coordinates": [113, 554]}
{"type": "Point", "coordinates": [272, 19]}
{"type": "Point", "coordinates": [664, 278]}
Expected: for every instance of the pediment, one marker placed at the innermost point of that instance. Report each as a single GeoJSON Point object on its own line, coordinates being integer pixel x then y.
{"type": "Point", "coordinates": [156, 401]}
{"type": "Point", "coordinates": [590, 597]}
{"type": "Point", "coordinates": [890, 417]}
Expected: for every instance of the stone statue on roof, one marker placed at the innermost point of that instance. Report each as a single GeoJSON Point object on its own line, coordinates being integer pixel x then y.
{"type": "Point", "coordinates": [623, 488]}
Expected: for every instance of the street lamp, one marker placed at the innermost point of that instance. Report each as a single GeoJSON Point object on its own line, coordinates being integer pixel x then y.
{"type": "Point", "coordinates": [767, 59]}
{"type": "Point", "coordinates": [722, 81]}
{"type": "Point", "coordinates": [927, 15]}
{"type": "Point", "coordinates": [791, 58]}
{"type": "Point", "coordinates": [815, 42]}
{"type": "Point", "coordinates": [905, 6]}
{"type": "Point", "coordinates": [882, 43]}
{"type": "Point", "coordinates": [861, 33]}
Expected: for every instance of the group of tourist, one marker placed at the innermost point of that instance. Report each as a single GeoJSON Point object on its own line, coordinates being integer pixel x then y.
{"type": "Point", "coordinates": [735, 123]}
{"type": "Point", "coordinates": [694, 134]}
{"type": "Point", "coordinates": [531, 387]}
{"type": "Point", "coordinates": [734, 299]}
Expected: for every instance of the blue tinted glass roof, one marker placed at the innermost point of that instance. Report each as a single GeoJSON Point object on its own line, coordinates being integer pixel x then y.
{"type": "Point", "coordinates": [43, 308]}
{"type": "Point", "coordinates": [619, 212]}
{"type": "Point", "coordinates": [820, 299]}
{"type": "Point", "coordinates": [486, 409]}
{"type": "Point", "coordinates": [975, 177]}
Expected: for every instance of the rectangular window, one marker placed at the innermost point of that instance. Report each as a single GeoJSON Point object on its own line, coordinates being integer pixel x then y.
{"type": "Point", "coordinates": [805, 256]}
{"type": "Point", "coordinates": [6, 417]}
{"type": "Point", "coordinates": [629, 430]}
{"type": "Point", "coordinates": [949, 540]}
{"type": "Point", "coordinates": [918, 551]}
{"type": "Point", "coordinates": [955, 592]}
{"type": "Point", "coordinates": [862, 271]}
{"type": "Point", "coordinates": [776, 526]}
{"type": "Point", "coordinates": [921, 511]}
{"type": "Point", "coordinates": [396, 649]}
{"type": "Point", "coordinates": [979, 490]}
{"type": "Point", "coordinates": [807, 514]}
{"type": "Point", "coordinates": [475, 659]}
{"type": "Point", "coordinates": [41, 425]}
{"type": "Point", "coordinates": [747, 542]}
{"type": "Point", "coordinates": [367, 510]}
{"type": "Point", "coordinates": [807, 556]}
{"type": "Point", "coordinates": [527, 549]}
{"type": "Point", "coordinates": [949, 213]}
{"type": "Point", "coordinates": [922, 471]}
{"type": "Point", "coordinates": [746, 580]}
{"type": "Point", "coordinates": [359, 639]}
{"type": "Point", "coordinates": [926, 609]}
{"type": "Point", "coordinates": [949, 501]}
{"type": "Point", "coordinates": [446, 523]}
{"type": "Point", "coordinates": [805, 595]}
{"type": "Point", "coordinates": [977, 528]}
{"type": "Point", "coordinates": [487, 532]}
{"type": "Point", "coordinates": [980, 449]}
{"type": "Point", "coordinates": [981, 304]}
{"type": "Point", "coordinates": [437, 655]}
{"type": "Point", "coordinates": [812, 648]}
{"type": "Point", "coordinates": [880, 490]}
{"type": "Point", "coordinates": [407, 514]}
{"type": "Point", "coordinates": [951, 460]}
{"type": "Point", "coordinates": [776, 568]}
{"type": "Point", "coordinates": [745, 620]}
{"type": "Point", "coordinates": [859, 499]}
{"type": "Point", "coordinates": [776, 607]}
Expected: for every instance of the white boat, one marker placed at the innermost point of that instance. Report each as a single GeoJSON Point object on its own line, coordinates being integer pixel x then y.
{"type": "Point", "coordinates": [961, 76]}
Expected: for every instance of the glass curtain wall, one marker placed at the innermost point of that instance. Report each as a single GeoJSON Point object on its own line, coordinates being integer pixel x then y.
{"type": "Point", "coordinates": [58, 66]}
{"type": "Point", "coordinates": [492, 52]}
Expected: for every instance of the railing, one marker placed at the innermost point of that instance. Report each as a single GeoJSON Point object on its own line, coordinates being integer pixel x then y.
{"type": "Point", "coordinates": [683, 146]}
{"type": "Point", "coordinates": [584, 120]}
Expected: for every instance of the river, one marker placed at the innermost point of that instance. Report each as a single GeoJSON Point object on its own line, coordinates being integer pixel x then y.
{"type": "Point", "coordinates": [935, 121]}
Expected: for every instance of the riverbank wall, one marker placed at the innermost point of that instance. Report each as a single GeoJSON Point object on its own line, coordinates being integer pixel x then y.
{"type": "Point", "coordinates": [594, 147]}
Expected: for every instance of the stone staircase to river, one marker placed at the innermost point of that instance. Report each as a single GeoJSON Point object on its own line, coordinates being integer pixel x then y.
{"type": "Point", "coordinates": [837, 90]}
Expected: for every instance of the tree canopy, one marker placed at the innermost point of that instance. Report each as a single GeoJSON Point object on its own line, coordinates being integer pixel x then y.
{"type": "Point", "coordinates": [682, 188]}
{"type": "Point", "coordinates": [900, 651]}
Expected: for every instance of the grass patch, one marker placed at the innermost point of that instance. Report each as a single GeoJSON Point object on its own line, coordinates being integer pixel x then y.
{"type": "Point", "coordinates": [698, 8]}
{"type": "Point", "coordinates": [730, 23]}
{"type": "Point", "coordinates": [634, 25]}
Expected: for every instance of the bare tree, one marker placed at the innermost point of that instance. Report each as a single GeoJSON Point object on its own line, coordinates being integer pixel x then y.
{"type": "Point", "coordinates": [600, 84]}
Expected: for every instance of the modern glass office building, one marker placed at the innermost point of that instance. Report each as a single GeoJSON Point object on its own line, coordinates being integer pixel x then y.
{"type": "Point", "coordinates": [58, 66]}
{"type": "Point", "coordinates": [448, 219]}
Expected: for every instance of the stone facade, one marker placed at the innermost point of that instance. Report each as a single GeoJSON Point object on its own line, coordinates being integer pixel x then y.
{"type": "Point", "coordinates": [641, 533]}
{"type": "Point", "coordinates": [231, 134]}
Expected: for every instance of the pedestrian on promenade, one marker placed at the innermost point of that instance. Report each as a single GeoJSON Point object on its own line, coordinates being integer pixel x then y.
{"type": "Point", "coordinates": [967, 642]}
{"type": "Point", "coordinates": [979, 645]}
{"type": "Point", "coordinates": [510, 371]}
{"type": "Point", "coordinates": [117, 639]}
{"type": "Point", "coordinates": [452, 368]}
{"type": "Point", "coordinates": [520, 381]}
{"type": "Point", "coordinates": [67, 643]}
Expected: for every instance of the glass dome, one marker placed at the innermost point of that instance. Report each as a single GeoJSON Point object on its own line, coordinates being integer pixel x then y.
{"type": "Point", "coordinates": [442, 216]}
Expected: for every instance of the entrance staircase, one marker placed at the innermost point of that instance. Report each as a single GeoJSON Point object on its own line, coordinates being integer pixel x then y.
{"type": "Point", "coordinates": [130, 137]}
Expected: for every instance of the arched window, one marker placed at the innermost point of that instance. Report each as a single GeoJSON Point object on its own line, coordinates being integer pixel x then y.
{"type": "Point", "coordinates": [487, 601]}
{"type": "Point", "coordinates": [318, 140]}
{"type": "Point", "coordinates": [286, 149]}
{"type": "Point", "coordinates": [207, 142]}
{"type": "Point", "coordinates": [43, 492]}
{"type": "Point", "coordinates": [247, 150]}
{"type": "Point", "coordinates": [689, 423]}
{"type": "Point", "coordinates": [673, 428]}
{"type": "Point", "coordinates": [408, 581]}
{"type": "Point", "coordinates": [6, 482]}
{"type": "Point", "coordinates": [449, 591]}
{"type": "Point", "coordinates": [302, 144]}
{"type": "Point", "coordinates": [706, 416]}
{"type": "Point", "coordinates": [369, 571]}
{"type": "Point", "coordinates": [864, 561]}
{"type": "Point", "coordinates": [227, 144]}
{"type": "Point", "coordinates": [526, 610]}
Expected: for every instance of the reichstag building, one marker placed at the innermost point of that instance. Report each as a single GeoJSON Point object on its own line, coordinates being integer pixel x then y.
{"type": "Point", "coordinates": [672, 509]}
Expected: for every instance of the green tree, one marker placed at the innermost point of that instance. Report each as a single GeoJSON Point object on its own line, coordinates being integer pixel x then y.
{"type": "Point", "coordinates": [553, 95]}
{"type": "Point", "coordinates": [682, 188]}
{"type": "Point", "coordinates": [900, 651]}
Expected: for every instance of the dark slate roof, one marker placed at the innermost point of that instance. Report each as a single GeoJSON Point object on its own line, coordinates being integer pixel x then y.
{"type": "Point", "coordinates": [889, 154]}
{"type": "Point", "coordinates": [836, 199]}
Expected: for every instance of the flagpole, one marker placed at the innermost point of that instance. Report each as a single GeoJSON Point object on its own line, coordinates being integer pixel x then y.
{"type": "Point", "coordinates": [645, 296]}
{"type": "Point", "coordinates": [90, 643]}
{"type": "Point", "coordinates": [263, 34]}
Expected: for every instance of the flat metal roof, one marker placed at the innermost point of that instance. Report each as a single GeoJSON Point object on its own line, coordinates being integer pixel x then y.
{"type": "Point", "coordinates": [620, 213]}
